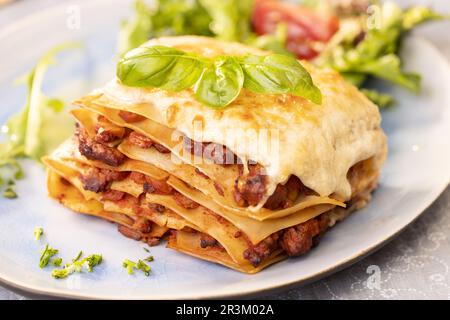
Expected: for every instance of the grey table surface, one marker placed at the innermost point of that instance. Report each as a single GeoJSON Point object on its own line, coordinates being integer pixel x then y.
{"type": "Point", "coordinates": [415, 265]}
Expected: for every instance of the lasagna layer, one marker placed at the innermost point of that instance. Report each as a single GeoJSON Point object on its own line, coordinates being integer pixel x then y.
{"type": "Point", "coordinates": [318, 144]}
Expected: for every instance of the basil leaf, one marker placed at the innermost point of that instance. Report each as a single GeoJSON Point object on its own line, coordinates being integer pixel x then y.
{"type": "Point", "coordinates": [278, 74]}
{"type": "Point", "coordinates": [220, 82]}
{"type": "Point", "coordinates": [161, 67]}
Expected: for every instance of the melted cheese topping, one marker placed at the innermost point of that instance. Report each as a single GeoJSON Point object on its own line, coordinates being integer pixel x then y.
{"type": "Point", "coordinates": [317, 143]}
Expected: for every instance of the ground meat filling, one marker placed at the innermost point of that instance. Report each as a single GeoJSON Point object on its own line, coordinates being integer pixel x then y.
{"type": "Point", "coordinates": [140, 227]}
{"type": "Point", "coordinates": [94, 150]}
{"type": "Point", "coordinates": [151, 185]}
{"type": "Point", "coordinates": [130, 117]}
{"type": "Point", "coordinates": [112, 195]}
{"type": "Point", "coordinates": [145, 142]}
{"type": "Point", "coordinates": [215, 152]}
{"type": "Point", "coordinates": [295, 241]}
{"type": "Point", "coordinates": [207, 241]}
{"type": "Point", "coordinates": [299, 239]}
{"type": "Point", "coordinates": [184, 201]}
{"type": "Point", "coordinates": [99, 180]}
{"type": "Point", "coordinates": [257, 253]}
{"type": "Point", "coordinates": [140, 140]}
{"type": "Point", "coordinates": [250, 188]}
{"type": "Point", "coordinates": [106, 132]}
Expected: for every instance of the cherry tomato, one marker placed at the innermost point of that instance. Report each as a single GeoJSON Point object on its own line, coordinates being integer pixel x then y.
{"type": "Point", "coordinates": [304, 26]}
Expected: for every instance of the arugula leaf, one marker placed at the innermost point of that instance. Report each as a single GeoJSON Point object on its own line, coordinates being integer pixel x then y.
{"type": "Point", "coordinates": [376, 54]}
{"type": "Point", "coordinates": [220, 83]}
{"type": "Point", "coordinates": [388, 68]}
{"type": "Point", "coordinates": [161, 67]}
{"type": "Point", "coordinates": [278, 74]}
{"type": "Point", "coordinates": [33, 131]}
{"type": "Point", "coordinates": [417, 15]}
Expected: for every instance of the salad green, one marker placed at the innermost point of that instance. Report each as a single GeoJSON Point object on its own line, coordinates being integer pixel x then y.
{"type": "Point", "coordinates": [33, 132]}
{"type": "Point", "coordinates": [376, 54]}
{"type": "Point", "coordinates": [366, 45]}
{"type": "Point", "coordinates": [228, 20]}
{"type": "Point", "coordinates": [77, 265]}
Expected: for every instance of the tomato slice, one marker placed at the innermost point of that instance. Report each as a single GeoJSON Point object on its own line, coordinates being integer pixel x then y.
{"type": "Point", "coordinates": [304, 26]}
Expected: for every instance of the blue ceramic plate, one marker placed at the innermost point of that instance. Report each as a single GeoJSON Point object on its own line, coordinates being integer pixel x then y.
{"type": "Point", "coordinates": [416, 172]}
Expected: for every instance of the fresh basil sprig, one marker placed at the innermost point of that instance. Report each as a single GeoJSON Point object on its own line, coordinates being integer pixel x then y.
{"type": "Point", "coordinates": [220, 82]}
{"type": "Point", "coordinates": [278, 73]}
{"type": "Point", "coordinates": [161, 67]}
{"type": "Point", "coordinates": [216, 82]}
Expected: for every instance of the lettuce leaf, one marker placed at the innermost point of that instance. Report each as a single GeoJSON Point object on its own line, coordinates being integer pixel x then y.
{"type": "Point", "coordinates": [380, 99]}
{"type": "Point", "coordinates": [33, 131]}
{"type": "Point", "coordinates": [163, 18]}
{"type": "Point", "coordinates": [229, 20]}
{"type": "Point", "coordinates": [376, 54]}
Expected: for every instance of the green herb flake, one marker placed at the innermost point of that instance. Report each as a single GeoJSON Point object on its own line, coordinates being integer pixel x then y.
{"type": "Point", "coordinates": [93, 260]}
{"type": "Point", "coordinates": [78, 256]}
{"type": "Point", "coordinates": [77, 266]}
{"type": "Point", "coordinates": [140, 265]}
{"type": "Point", "coordinates": [129, 265]}
{"type": "Point", "coordinates": [149, 259]}
{"type": "Point", "coordinates": [38, 232]}
{"type": "Point", "coordinates": [146, 249]}
{"type": "Point", "coordinates": [145, 268]}
{"type": "Point", "coordinates": [46, 255]}
{"type": "Point", "coordinates": [57, 262]}
{"type": "Point", "coordinates": [9, 193]}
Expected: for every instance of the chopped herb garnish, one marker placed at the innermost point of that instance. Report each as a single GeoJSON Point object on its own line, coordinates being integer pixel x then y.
{"type": "Point", "coordinates": [46, 255]}
{"type": "Point", "coordinates": [140, 265]}
{"type": "Point", "coordinates": [77, 266]}
{"type": "Point", "coordinates": [129, 265]}
{"type": "Point", "coordinates": [78, 256]}
{"type": "Point", "coordinates": [57, 262]}
{"type": "Point", "coordinates": [93, 260]}
{"type": "Point", "coordinates": [146, 249]}
{"type": "Point", "coordinates": [38, 232]}
{"type": "Point", "coordinates": [144, 267]}
{"type": "Point", "coordinates": [149, 259]}
{"type": "Point", "coordinates": [10, 193]}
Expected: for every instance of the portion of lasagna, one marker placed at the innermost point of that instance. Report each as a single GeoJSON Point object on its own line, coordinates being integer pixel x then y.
{"type": "Point", "coordinates": [244, 186]}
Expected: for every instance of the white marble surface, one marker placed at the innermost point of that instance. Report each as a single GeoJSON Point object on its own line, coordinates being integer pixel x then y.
{"type": "Point", "coordinates": [413, 266]}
